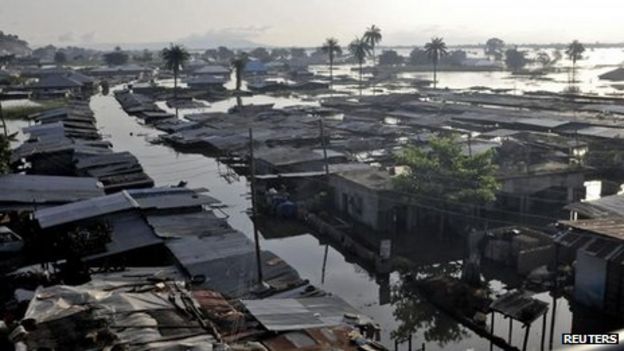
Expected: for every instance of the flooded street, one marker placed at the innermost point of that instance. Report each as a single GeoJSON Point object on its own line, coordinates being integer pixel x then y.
{"type": "Point", "coordinates": [304, 252]}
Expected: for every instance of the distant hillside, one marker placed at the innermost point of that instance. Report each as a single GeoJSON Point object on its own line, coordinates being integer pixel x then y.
{"type": "Point", "coordinates": [12, 45]}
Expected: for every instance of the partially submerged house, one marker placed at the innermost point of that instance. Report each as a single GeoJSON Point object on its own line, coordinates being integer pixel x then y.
{"type": "Point", "coordinates": [599, 262]}
{"type": "Point", "coordinates": [284, 159]}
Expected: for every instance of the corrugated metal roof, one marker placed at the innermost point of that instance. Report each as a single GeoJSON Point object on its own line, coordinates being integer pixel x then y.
{"type": "Point", "coordinates": [604, 207]}
{"type": "Point", "coordinates": [129, 232]}
{"type": "Point", "coordinates": [520, 306]}
{"type": "Point", "coordinates": [298, 314]}
{"type": "Point", "coordinates": [45, 189]}
{"type": "Point", "coordinates": [610, 227]}
{"type": "Point", "coordinates": [80, 210]}
{"type": "Point", "coordinates": [163, 198]}
{"type": "Point", "coordinates": [228, 262]}
{"type": "Point", "coordinates": [181, 225]}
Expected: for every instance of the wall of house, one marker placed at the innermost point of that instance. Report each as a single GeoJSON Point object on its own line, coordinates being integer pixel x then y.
{"type": "Point", "coordinates": [357, 202]}
{"type": "Point", "coordinates": [590, 280]}
{"type": "Point", "coordinates": [534, 183]}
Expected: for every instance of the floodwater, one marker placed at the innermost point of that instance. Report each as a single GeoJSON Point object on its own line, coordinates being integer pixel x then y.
{"type": "Point", "coordinates": [364, 290]}
{"type": "Point", "coordinates": [594, 63]}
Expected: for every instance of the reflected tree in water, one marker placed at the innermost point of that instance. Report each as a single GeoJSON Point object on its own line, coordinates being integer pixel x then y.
{"type": "Point", "coordinates": [416, 314]}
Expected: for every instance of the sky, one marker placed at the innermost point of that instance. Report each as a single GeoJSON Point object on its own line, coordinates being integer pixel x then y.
{"type": "Point", "coordinates": [202, 23]}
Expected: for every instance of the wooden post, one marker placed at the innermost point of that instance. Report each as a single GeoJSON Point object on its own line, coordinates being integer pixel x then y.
{"type": "Point", "coordinates": [252, 173]}
{"type": "Point", "coordinates": [552, 322]}
{"type": "Point", "coordinates": [324, 264]}
{"type": "Point", "coordinates": [492, 331]}
{"type": "Point", "coordinates": [409, 343]}
{"type": "Point", "coordinates": [544, 317]}
{"type": "Point", "coordinates": [526, 337]}
{"type": "Point", "coordinates": [510, 330]}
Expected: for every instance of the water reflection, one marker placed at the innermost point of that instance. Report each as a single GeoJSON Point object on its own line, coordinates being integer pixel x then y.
{"type": "Point", "coordinates": [416, 314]}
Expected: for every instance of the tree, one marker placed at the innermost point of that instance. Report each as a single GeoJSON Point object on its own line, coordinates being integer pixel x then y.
{"type": "Point", "coordinates": [261, 54]}
{"type": "Point", "coordinates": [544, 59]}
{"type": "Point", "coordinates": [435, 49]}
{"type": "Point", "coordinates": [515, 59]}
{"type": "Point", "coordinates": [279, 53]}
{"type": "Point", "coordinates": [60, 58]}
{"type": "Point", "coordinates": [238, 64]}
{"type": "Point", "coordinates": [575, 52]}
{"type": "Point", "coordinates": [418, 57]}
{"type": "Point", "coordinates": [5, 154]}
{"type": "Point", "coordinates": [444, 172]}
{"type": "Point", "coordinates": [174, 56]}
{"type": "Point", "coordinates": [116, 58]}
{"type": "Point", "coordinates": [146, 56]}
{"type": "Point", "coordinates": [298, 53]}
{"type": "Point", "coordinates": [494, 47]}
{"type": "Point", "coordinates": [390, 58]}
{"type": "Point", "coordinates": [224, 54]}
{"type": "Point", "coordinates": [331, 49]}
{"type": "Point", "coordinates": [360, 48]}
{"type": "Point", "coordinates": [372, 36]}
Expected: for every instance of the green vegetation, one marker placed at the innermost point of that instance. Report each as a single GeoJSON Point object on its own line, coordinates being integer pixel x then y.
{"type": "Point", "coordinates": [116, 58]}
{"type": "Point", "coordinates": [515, 60]}
{"type": "Point", "coordinates": [360, 48]}
{"type": "Point", "coordinates": [175, 57]}
{"type": "Point", "coordinates": [435, 49]}
{"type": "Point", "coordinates": [575, 52]}
{"type": "Point", "coordinates": [238, 64]}
{"type": "Point", "coordinates": [494, 47]}
{"type": "Point", "coordinates": [331, 48]}
{"type": "Point", "coordinates": [373, 37]}
{"type": "Point", "coordinates": [5, 154]}
{"type": "Point", "coordinates": [443, 172]}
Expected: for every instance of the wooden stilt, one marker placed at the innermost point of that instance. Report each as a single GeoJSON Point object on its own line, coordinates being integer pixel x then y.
{"type": "Point", "coordinates": [526, 337]}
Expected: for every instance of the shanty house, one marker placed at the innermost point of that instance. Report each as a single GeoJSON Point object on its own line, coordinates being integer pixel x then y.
{"type": "Point", "coordinates": [599, 268]}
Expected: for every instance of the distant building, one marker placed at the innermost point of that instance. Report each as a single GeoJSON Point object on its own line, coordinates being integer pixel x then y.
{"type": "Point", "coordinates": [209, 77]}
{"type": "Point", "coordinates": [256, 67]}
{"type": "Point", "coordinates": [616, 75]}
{"type": "Point", "coordinates": [131, 70]}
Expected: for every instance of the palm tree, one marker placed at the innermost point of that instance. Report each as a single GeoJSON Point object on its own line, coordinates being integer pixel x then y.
{"type": "Point", "coordinates": [372, 36]}
{"type": "Point", "coordinates": [575, 52]}
{"type": "Point", "coordinates": [435, 49]}
{"type": "Point", "coordinates": [238, 64]}
{"type": "Point", "coordinates": [331, 48]}
{"type": "Point", "coordinates": [175, 56]}
{"type": "Point", "coordinates": [359, 48]}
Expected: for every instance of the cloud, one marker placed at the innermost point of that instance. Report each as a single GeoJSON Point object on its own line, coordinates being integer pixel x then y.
{"type": "Point", "coordinates": [87, 37]}
{"type": "Point", "coordinates": [231, 37]}
{"type": "Point", "coordinates": [66, 37]}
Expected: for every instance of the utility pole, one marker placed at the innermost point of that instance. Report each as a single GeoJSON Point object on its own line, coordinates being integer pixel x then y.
{"type": "Point", "coordinates": [321, 126]}
{"type": "Point", "coordinates": [254, 212]}
{"type": "Point", "coordinates": [322, 131]}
